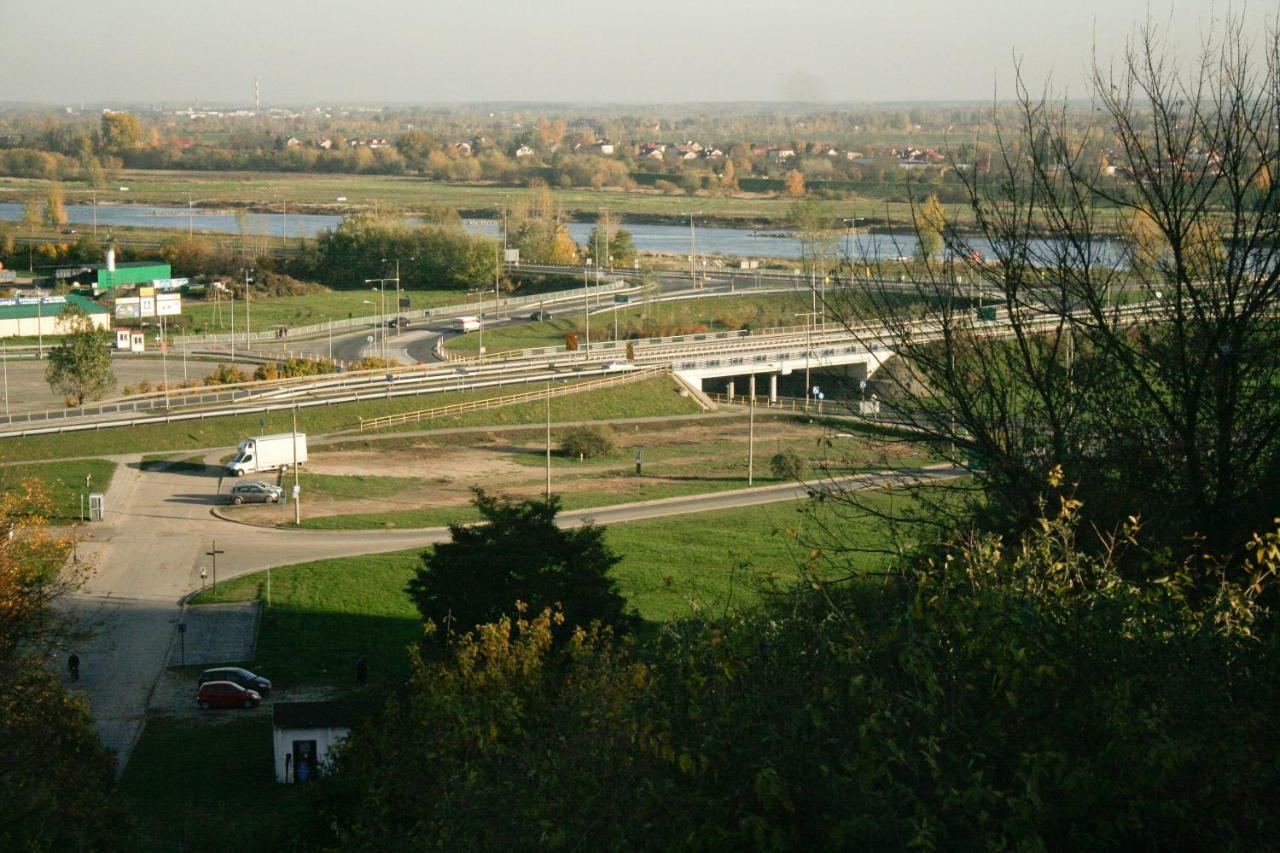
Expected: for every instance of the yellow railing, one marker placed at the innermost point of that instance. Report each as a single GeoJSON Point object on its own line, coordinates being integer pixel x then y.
{"type": "Point", "coordinates": [556, 390]}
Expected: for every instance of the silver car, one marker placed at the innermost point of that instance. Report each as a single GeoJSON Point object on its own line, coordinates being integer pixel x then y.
{"type": "Point", "coordinates": [255, 491]}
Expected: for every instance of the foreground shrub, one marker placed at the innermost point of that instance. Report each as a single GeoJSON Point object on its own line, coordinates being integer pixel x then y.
{"type": "Point", "coordinates": [996, 695]}
{"type": "Point", "coordinates": [587, 442]}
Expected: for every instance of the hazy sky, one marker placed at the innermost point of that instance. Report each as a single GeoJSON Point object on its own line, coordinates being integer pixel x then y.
{"type": "Point", "coordinates": [428, 51]}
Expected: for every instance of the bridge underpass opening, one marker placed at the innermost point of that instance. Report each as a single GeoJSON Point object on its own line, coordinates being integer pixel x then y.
{"type": "Point", "coordinates": [840, 384]}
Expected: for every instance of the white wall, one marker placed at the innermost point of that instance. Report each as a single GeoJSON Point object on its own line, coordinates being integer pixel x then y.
{"type": "Point", "coordinates": [326, 739]}
{"type": "Point", "coordinates": [47, 325]}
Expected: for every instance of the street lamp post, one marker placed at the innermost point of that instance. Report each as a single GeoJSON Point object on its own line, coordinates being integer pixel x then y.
{"type": "Point", "coordinates": [248, 280]}
{"type": "Point", "coordinates": [39, 324]}
{"type": "Point", "coordinates": [693, 251]}
{"type": "Point", "coordinates": [808, 349]}
{"type": "Point", "coordinates": [586, 303]}
{"type": "Point", "coordinates": [382, 308]}
{"type": "Point", "coordinates": [398, 260]}
{"type": "Point", "coordinates": [190, 224]}
{"type": "Point", "coordinates": [548, 438]}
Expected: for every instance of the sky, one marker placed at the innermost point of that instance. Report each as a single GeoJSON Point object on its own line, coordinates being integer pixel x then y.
{"type": "Point", "coordinates": [178, 52]}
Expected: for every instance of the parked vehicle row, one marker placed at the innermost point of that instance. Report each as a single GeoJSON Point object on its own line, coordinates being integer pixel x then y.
{"type": "Point", "coordinates": [231, 687]}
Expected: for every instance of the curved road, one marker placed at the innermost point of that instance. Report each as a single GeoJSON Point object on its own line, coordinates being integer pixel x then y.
{"type": "Point", "coordinates": [149, 551]}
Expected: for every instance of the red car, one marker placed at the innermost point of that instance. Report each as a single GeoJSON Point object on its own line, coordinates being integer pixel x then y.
{"type": "Point", "coordinates": [226, 694]}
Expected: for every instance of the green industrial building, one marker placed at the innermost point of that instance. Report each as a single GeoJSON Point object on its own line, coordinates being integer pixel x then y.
{"type": "Point", "coordinates": [140, 272]}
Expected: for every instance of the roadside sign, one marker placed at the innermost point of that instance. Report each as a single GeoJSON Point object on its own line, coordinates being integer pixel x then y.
{"type": "Point", "coordinates": [404, 302]}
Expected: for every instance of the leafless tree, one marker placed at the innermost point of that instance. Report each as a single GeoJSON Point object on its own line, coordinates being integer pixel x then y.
{"type": "Point", "coordinates": [1109, 304]}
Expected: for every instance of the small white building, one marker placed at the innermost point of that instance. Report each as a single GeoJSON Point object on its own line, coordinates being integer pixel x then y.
{"type": "Point", "coordinates": [305, 733]}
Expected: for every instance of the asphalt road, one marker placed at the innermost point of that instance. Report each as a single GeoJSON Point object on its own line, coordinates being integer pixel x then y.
{"type": "Point", "coordinates": [156, 537]}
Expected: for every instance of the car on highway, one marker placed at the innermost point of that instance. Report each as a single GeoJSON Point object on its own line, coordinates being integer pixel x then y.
{"type": "Point", "coordinates": [254, 491]}
{"type": "Point", "coordinates": [540, 315]}
{"type": "Point", "coordinates": [402, 322]}
{"type": "Point", "coordinates": [619, 365]}
{"type": "Point", "coordinates": [226, 694]}
{"type": "Point", "coordinates": [237, 675]}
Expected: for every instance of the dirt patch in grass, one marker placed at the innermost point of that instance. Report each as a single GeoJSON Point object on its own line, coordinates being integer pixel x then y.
{"type": "Point", "coordinates": [684, 458]}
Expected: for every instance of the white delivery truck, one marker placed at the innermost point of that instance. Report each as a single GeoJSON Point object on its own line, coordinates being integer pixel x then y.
{"type": "Point", "coordinates": [268, 453]}
{"type": "Point", "coordinates": [466, 324]}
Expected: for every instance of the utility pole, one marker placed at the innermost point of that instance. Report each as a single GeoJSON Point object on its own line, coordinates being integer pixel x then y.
{"type": "Point", "coordinates": [232, 301]}
{"type": "Point", "coordinates": [751, 430]}
{"type": "Point", "coordinates": [4, 354]}
{"type": "Point", "coordinates": [297, 485]}
{"type": "Point", "coordinates": [808, 349]}
{"type": "Point", "coordinates": [164, 361]}
{"type": "Point", "coordinates": [397, 260]}
{"type": "Point", "coordinates": [214, 552]}
{"type": "Point", "coordinates": [693, 252]}
{"type": "Point", "coordinates": [190, 225]}
{"type": "Point", "coordinates": [39, 324]}
{"type": "Point", "coordinates": [548, 438]}
{"type": "Point", "coordinates": [248, 280]}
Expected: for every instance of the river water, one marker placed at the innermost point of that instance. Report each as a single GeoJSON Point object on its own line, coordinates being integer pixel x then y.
{"type": "Point", "coordinates": [665, 239]}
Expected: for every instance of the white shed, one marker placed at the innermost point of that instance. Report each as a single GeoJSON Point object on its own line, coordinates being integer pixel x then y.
{"type": "Point", "coordinates": [305, 733]}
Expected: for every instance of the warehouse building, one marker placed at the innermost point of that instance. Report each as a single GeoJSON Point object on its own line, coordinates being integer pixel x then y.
{"type": "Point", "coordinates": [31, 316]}
{"type": "Point", "coordinates": [110, 275]}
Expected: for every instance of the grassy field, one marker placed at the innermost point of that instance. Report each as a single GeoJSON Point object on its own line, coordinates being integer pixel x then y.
{"type": "Point", "coordinates": [663, 318]}
{"type": "Point", "coordinates": [65, 482]}
{"type": "Point", "coordinates": [194, 784]}
{"type": "Point", "coordinates": [649, 398]}
{"type": "Point", "coordinates": [313, 308]}
{"type": "Point", "coordinates": [321, 191]}
{"type": "Point", "coordinates": [327, 613]}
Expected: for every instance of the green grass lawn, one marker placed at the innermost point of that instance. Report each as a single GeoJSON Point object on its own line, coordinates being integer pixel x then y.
{"type": "Point", "coordinates": [356, 485]}
{"type": "Point", "coordinates": [207, 784]}
{"type": "Point", "coordinates": [649, 398]}
{"type": "Point", "coordinates": [65, 482]}
{"type": "Point", "coordinates": [326, 614]}
{"type": "Point", "coordinates": [309, 309]}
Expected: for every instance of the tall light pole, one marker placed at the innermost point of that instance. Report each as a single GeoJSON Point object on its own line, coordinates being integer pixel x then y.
{"type": "Point", "coordinates": [4, 356]}
{"type": "Point", "coordinates": [548, 437]}
{"type": "Point", "coordinates": [164, 361]}
{"type": "Point", "coordinates": [329, 322]}
{"type": "Point", "coordinates": [808, 348]}
{"type": "Point", "coordinates": [398, 260]}
{"type": "Point", "coordinates": [382, 315]}
{"type": "Point", "coordinates": [248, 280]}
{"type": "Point", "coordinates": [693, 250]}
{"type": "Point", "coordinates": [39, 324]}
{"type": "Point", "coordinates": [190, 224]}
{"type": "Point", "coordinates": [586, 304]}
{"type": "Point", "coordinates": [231, 300]}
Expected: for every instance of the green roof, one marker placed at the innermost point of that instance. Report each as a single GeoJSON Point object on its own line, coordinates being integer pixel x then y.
{"type": "Point", "coordinates": [13, 309]}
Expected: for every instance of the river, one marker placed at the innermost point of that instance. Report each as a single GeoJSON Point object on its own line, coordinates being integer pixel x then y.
{"type": "Point", "coordinates": [651, 238]}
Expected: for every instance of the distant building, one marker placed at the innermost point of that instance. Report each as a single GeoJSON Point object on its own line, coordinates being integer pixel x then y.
{"type": "Point", "coordinates": [462, 148]}
{"type": "Point", "coordinates": [602, 147]}
{"type": "Point", "coordinates": [525, 151]}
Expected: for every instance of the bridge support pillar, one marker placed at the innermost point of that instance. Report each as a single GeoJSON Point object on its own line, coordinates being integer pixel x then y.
{"type": "Point", "coordinates": [730, 390]}
{"type": "Point", "coordinates": [773, 387]}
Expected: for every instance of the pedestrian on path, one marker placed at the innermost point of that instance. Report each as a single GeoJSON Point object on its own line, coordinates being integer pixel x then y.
{"type": "Point", "coordinates": [73, 666]}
